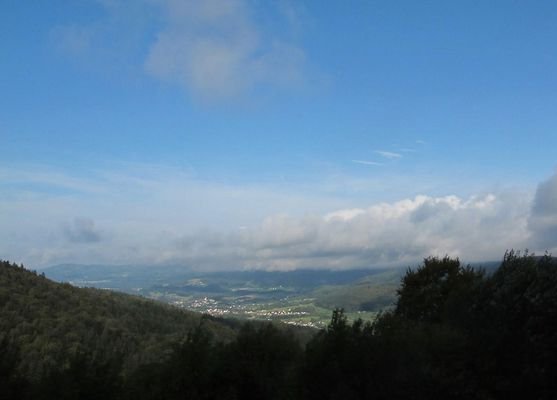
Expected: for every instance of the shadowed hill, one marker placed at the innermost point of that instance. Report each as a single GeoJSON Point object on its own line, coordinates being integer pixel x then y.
{"type": "Point", "coordinates": [454, 332]}
{"type": "Point", "coordinates": [47, 323]}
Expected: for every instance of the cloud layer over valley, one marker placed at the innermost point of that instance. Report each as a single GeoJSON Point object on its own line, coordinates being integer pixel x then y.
{"type": "Point", "coordinates": [169, 217]}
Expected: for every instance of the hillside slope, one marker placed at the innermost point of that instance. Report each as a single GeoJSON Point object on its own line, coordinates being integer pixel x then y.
{"type": "Point", "coordinates": [48, 323]}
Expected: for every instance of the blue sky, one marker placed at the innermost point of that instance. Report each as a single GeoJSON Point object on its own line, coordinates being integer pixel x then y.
{"type": "Point", "coordinates": [160, 131]}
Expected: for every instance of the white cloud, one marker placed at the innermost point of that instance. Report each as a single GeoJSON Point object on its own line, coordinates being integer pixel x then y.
{"type": "Point", "coordinates": [478, 228]}
{"type": "Point", "coordinates": [543, 220]}
{"type": "Point", "coordinates": [389, 154]}
{"type": "Point", "coordinates": [365, 162]}
{"type": "Point", "coordinates": [166, 216]}
{"type": "Point", "coordinates": [216, 50]}
{"type": "Point", "coordinates": [344, 215]}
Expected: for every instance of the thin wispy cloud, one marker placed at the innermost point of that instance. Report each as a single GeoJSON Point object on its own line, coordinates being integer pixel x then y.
{"type": "Point", "coordinates": [365, 162]}
{"type": "Point", "coordinates": [388, 154]}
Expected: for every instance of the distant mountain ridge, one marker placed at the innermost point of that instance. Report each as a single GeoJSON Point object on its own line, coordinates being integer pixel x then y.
{"type": "Point", "coordinates": [300, 297]}
{"type": "Point", "coordinates": [136, 273]}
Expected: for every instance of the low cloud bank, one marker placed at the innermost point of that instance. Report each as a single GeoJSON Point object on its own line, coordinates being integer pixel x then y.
{"type": "Point", "coordinates": [153, 222]}
{"type": "Point", "coordinates": [543, 219]}
{"type": "Point", "coordinates": [477, 228]}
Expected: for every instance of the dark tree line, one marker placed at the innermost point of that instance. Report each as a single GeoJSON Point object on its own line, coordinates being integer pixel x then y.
{"type": "Point", "coordinates": [454, 333]}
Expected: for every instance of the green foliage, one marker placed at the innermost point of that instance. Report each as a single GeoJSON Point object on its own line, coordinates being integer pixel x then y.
{"type": "Point", "coordinates": [82, 378]}
{"type": "Point", "coordinates": [260, 364]}
{"type": "Point", "coordinates": [370, 293]}
{"type": "Point", "coordinates": [52, 323]}
{"type": "Point", "coordinates": [336, 362]}
{"type": "Point", "coordinates": [12, 384]}
{"type": "Point", "coordinates": [520, 311]}
{"type": "Point", "coordinates": [437, 290]}
{"type": "Point", "coordinates": [454, 333]}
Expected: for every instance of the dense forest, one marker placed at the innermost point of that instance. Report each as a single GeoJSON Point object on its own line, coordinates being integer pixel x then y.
{"type": "Point", "coordinates": [455, 332]}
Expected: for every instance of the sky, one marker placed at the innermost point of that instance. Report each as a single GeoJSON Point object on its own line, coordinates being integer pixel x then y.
{"type": "Point", "coordinates": [240, 134]}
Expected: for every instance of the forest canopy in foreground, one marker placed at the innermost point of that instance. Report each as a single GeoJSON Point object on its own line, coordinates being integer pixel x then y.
{"type": "Point", "coordinates": [455, 333]}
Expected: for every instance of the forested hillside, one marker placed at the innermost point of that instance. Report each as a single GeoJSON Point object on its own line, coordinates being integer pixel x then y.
{"type": "Point", "coordinates": [47, 323]}
{"type": "Point", "coordinates": [455, 333]}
